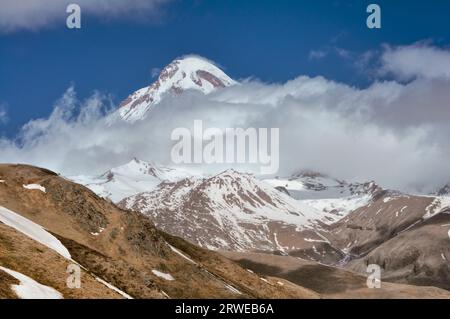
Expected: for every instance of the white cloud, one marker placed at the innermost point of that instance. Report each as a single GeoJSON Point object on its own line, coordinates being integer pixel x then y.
{"type": "Point", "coordinates": [36, 14]}
{"type": "Point", "coordinates": [417, 60]}
{"type": "Point", "coordinates": [394, 133]}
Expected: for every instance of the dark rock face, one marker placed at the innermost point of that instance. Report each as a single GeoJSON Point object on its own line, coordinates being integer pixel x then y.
{"type": "Point", "coordinates": [444, 190]}
{"type": "Point", "coordinates": [215, 81]}
{"type": "Point", "coordinates": [89, 216]}
{"type": "Point", "coordinates": [283, 190]}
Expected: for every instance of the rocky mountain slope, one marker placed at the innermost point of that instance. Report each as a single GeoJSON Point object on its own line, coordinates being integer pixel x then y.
{"type": "Point", "coordinates": [235, 211]}
{"type": "Point", "coordinates": [330, 282]}
{"type": "Point", "coordinates": [48, 223]}
{"type": "Point", "coordinates": [229, 210]}
{"type": "Point", "coordinates": [406, 235]}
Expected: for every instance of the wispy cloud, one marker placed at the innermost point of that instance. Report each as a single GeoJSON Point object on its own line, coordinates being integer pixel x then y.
{"type": "Point", "coordinates": [36, 14]}
{"type": "Point", "coordinates": [3, 114]}
{"type": "Point", "coordinates": [343, 53]}
{"type": "Point", "coordinates": [330, 50]}
{"type": "Point", "coordinates": [155, 72]}
{"type": "Point", "coordinates": [317, 54]}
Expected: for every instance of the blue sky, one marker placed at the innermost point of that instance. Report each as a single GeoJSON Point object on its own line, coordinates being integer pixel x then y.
{"type": "Point", "coordinates": [269, 40]}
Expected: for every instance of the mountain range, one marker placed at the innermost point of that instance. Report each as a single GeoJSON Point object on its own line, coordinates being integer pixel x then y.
{"type": "Point", "coordinates": [50, 225]}
{"type": "Point", "coordinates": [146, 230]}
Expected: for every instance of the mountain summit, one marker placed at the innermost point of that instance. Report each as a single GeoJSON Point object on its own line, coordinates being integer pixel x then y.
{"type": "Point", "coordinates": [189, 73]}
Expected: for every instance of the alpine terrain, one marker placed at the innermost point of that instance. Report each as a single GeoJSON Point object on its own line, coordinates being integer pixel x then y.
{"type": "Point", "coordinates": [146, 230]}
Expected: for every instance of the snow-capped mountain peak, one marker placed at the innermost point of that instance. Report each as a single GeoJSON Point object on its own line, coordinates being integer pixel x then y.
{"type": "Point", "coordinates": [188, 73]}
{"type": "Point", "coordinates": [131, 178]}
{"type": "Point", "coordinates": [139, 168]}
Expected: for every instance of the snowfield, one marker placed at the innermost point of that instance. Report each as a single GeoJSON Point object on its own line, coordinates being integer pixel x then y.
{"type": "Point", "coordinates": [30, 289]}
{"type": "Point", "coordinates": [32, 230]}
{"type": "Point", "coordinates": [342, 206]}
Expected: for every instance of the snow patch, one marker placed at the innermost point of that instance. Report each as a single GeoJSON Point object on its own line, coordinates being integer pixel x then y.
{"type": "Point", "coordinates": [101, 229]}
{"type": "Point", "coordinates": [35, 186]}
{"type": "Point", "coordinates": [165, 294]}
{"type": "Point", "coordinates": [338, 208]}
{"type": "Point", "coordinates": [291, 185]}
{"type": "Point", "coordinates": [232, 289]}
{"type": "Point", "coordinates": [181, 254]}
{"type": "Point", "coordinates": [163, 275]}
{"type": "Point", "coordinates": [32, 230]}
{"type": "Point", "coordinates": [311, 240]}
{"type": "Point", "coordinates": [120, 292]}
{"type": "Point", "coordinates": [31, 289]}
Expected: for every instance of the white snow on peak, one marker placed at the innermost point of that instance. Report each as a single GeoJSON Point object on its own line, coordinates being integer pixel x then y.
{"type": "Point", "coordinates": [129, 179]}
{"type": "Point", "coordinates": [138, 168]}
{"type": "Point", "coordinates": [188, 73]}
{"type": "Point", "coordinates": [35, 186]}
{"type": "Point", "coordinates": [31, 289]}
{"type": "Point", "coordinates": [32, 230]}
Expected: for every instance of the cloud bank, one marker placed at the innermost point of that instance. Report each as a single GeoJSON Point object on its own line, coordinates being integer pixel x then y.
{"type": "Point", "coordinates": [36, 14]}
{"type": "Point", "coordinates": [392, 132]}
